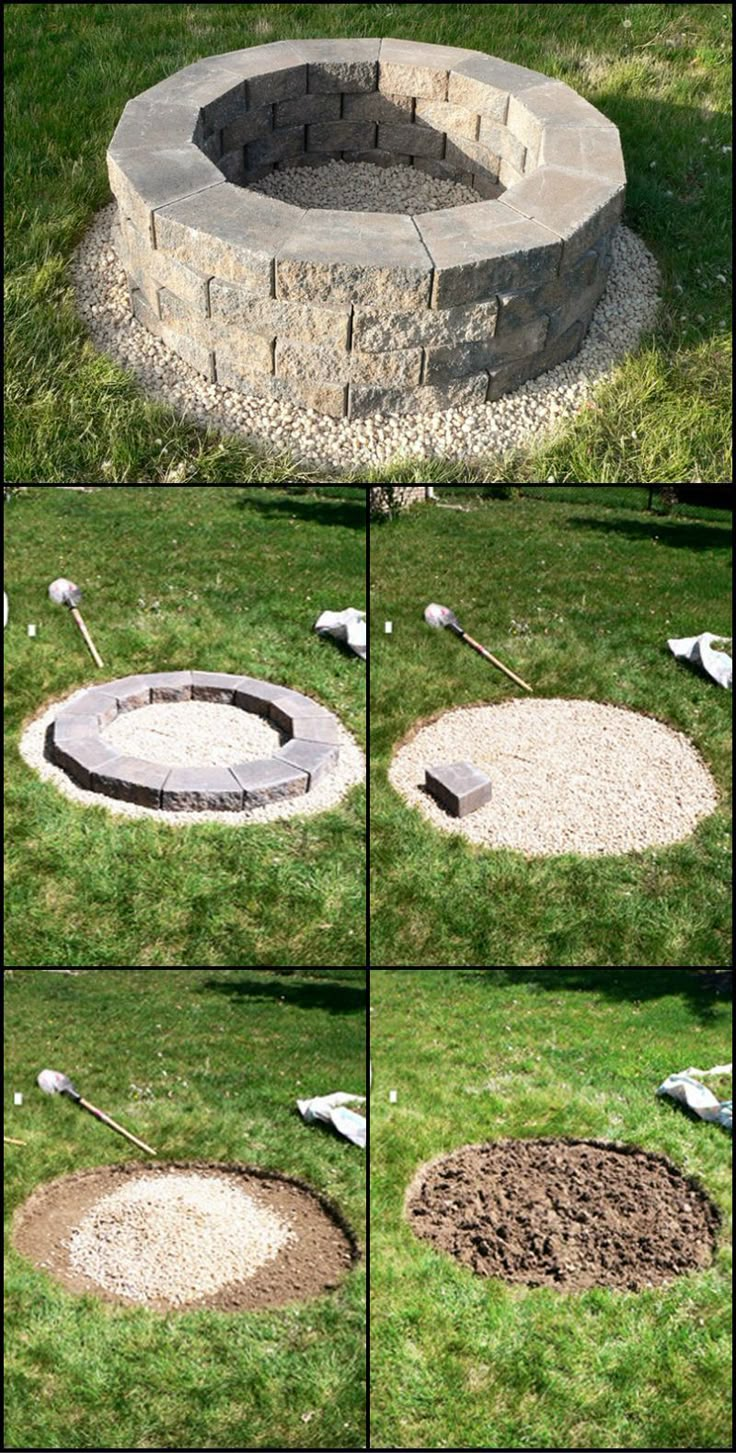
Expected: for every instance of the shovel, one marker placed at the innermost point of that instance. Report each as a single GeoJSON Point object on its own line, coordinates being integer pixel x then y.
{"type": "Point", "coordinates": [53, 1082]}
{"type": "Point", "coordinates": [65, 592]}
{"type": "Point", "coordinates": [441, 615]}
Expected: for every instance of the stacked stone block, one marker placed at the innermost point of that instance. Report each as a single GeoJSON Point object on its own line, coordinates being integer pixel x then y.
{"type": "Point", "coordinates": [350, 313]}
{"type": "Point", "coordinates": [310, 748]}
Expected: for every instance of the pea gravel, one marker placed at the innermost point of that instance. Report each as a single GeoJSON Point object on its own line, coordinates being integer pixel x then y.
{"type": "Point", "coordinates": [567, 777]}
{"type": "Point", "coordinates": [626, 310]}
{"type": "Point", "coordinates": [176, 1237]}
{"type": "Point", "coordinates": [328, 792]}
{"type": "Point", "coordinates": [192, 734]}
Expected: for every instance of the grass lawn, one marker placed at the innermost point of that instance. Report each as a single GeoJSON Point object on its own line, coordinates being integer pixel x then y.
{"type": "Point", "coordinates": [660, 72]}
{"type": "Point", "coordinates": [578, 594]}
{"type": "Point", "coordinates": [204, 1066]}
{"type": "Point", "coordinates": [221, 579]}
{"type": "Point", "coordinates": [477, 1055]}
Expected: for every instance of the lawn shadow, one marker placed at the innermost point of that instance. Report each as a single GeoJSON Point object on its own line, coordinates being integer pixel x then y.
{"type": "Point", "coordinates": [688, 536]}
{"type": "Point", "coordinates": [702, 988]}
{"type": "Point", "coordinates": [351, 514]}
{"type": "Point", "coordinates": [326, 994]}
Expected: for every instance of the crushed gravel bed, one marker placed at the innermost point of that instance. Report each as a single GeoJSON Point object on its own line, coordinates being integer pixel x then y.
{"type": "Point", "coordinates": [327, 793]}
{"type": "Point", "coordinates": [519, 419]}
{"type": "Point", "coordinates": [193, 734]}
{"type": "Point", "coordinates": [567, 776]}
{"type": "Point", "coordinates": [176, 1237]}
{"type": "Point", "coordinates": [364, 187]}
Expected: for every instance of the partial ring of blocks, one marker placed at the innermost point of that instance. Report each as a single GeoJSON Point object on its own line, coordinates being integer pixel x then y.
{"type": "Point", "coordinates": [76, 744]}
{"type": "Point", "coordinates": [350, 313]}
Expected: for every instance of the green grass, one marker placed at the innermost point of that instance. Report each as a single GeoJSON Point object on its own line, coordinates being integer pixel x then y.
{"type": "Point", "coordinates": [660, 72]}
{"type": "Point", "coordinates": [459, 1362]}
{"type": "Point", "coordinates": [223, 579]}
{"type": "Point", "coordinates": [579, 598]}
{"type": "Point", "coordinates": [208, 1066]}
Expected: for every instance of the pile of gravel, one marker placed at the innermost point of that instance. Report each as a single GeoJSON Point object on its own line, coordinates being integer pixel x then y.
{"type": "Point", "coordinates": [192, 734]}
{"type": "Point", "coordinates": [567, 777]}
{"type": "Point", "coordinates": [327, 793]}
{"type": "Point", "coordinates": [627, 308]}
{"type": "Point", "coordinates": [362, 187]}
{"type": "Point", "coordinates": [176, 1238]}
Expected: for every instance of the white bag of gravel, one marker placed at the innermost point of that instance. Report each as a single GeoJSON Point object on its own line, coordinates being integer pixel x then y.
{"type": "Point", "coordinates": [346, 625]}
{"type": "Point", "coordinates": [698, 650]}
{"type": "Point", "coordinates": [331, 1109]}
{"type": "Point", "coordinates": [697, 1097]}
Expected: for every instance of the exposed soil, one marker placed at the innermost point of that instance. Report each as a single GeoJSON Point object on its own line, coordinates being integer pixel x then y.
{"type": "Point", "coordinates": [564, 1213]}
{"type": "Point", "coordinates": [323, 1252]}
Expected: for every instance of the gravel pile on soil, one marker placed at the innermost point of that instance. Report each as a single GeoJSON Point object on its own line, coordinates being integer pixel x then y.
{"type": "Point", "coordinates": [564, 1213]}
{"type": "Point", "coordinates": [186, 1233]}
{"type": "Point", "coordinates": [175, 1237]}
{"type": "Point", "coordinates": [192, 734]}
{"type": "Point", "coordinates": [519, 419]}
{"type": "Point", "coordinates": [567, 776]}
{"type": "Point", "coordinates": [328, 792]}
{"type": "Point", "coordinates": [363, 187]}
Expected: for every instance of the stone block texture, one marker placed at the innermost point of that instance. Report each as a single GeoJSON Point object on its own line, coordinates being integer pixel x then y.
{"type": "Point", "coordinates": [352, 313]}
{"type": "Point", "coordinates": [309, 744]}
{"type": "Point", "coordinates": [459, 787]}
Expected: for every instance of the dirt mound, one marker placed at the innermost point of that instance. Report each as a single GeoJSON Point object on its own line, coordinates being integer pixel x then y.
{"type": "Point", "coordinates": [564, 1213]}
{"type": "Point", "coordinates": [257, 1240]}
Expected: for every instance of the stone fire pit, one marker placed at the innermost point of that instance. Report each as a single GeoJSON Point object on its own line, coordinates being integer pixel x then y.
{"type": "Point", "coordinates": [349, 313]}
{"type": "Point", "coordinates": [309, 734]}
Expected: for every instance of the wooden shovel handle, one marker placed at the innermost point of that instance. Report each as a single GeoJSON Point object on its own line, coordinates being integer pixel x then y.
{"type": "Point", "coordinates": [93, 649]}
{"type": "Point", "coordinates": [114, 1125]}
{"type": "Point", "coordinates": [477, 647]}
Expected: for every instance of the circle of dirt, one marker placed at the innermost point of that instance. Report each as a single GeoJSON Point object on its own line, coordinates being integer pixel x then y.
{"type": "Point", "coordinates": [564, 1213]}
{"type": "Point", "coordinates": [567, 776]}
{"type": "Point", "coordinates": [324, 1250]}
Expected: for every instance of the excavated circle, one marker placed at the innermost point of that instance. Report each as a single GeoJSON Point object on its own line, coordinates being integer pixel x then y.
{"type": "Point", "coordinates": [564, 1213]}
{"type": "Point", "coordinates": [176, 1235]}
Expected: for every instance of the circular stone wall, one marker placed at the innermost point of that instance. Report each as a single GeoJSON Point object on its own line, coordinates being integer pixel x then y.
{"type": "Point", "coordinates": [92, 743]}
{"type": "Point", "coordinates": [566, 776]}
{"type": "Point", "coordinates": [564, 1213]}
{"type": "Point", "coordinates": [349, 313]}
{"type": "Point", "coordinates": [186, 1234]}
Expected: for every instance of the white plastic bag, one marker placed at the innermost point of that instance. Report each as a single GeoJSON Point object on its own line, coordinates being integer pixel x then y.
{"type": "Point", "coordinates": [331, 1109]}
{"type": "Point", "coordinates": [346, 625]}
{"type": "Point", "coordinates": [699, 651]}
{"type": "Point", "coordinates": [698, 1097]}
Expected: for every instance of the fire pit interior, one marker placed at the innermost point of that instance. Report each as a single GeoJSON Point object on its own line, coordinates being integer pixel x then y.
{"type": "Point", "coordinates": [186, 741]}
{"type": "Point", "coordinates": [569, 1214]}
{"type": "Point", "coordinates": [347, 312]}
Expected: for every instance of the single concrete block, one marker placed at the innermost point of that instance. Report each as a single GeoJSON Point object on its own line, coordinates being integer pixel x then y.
{"type": "Point", "coordinates": [379, 332]}
{"type": "Point", "coordinates": [459, 787]}
{"type": "Point", "coordinates": [286, 709]}
{"type": "Point", "coordinates": [577, 213]}
{"type": "Point", "coordinates": [197, 789]}
{"type": "Point", "coordinates": [315, 758]}
{"type": "Point", "coordinates": [269, 780]}
{"type": "Point", "coordinates": [100, 705]}
{"type": "Point", "coordinates": [81, 759]}
{"type": "Point", "coordinates": [326, 258]}
{"type": "Point", "coordinates": [129, 692]}
{"type": "Point", "coordinates": [258, 696]}
{"type": "Point", "coordinates": [171, 685]}
{"type": "Point", "coordinates": [75, 729]}
{"type": "Point", "coordinates": [483, 247]}
{"type": "Point", "coordinates": [215, 685]}
{"type": "Point", "coordinates": [132, 780]}
{"type": "Point", "coordinates": [315, 728]}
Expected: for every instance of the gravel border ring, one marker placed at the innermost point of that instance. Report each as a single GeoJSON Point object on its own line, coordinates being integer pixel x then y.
{"type": "Point", "coordinates": [567, 776]}
{"type": "Point", "coordinates": [353, 313]}
{"type": "Point", "coordinates": [75, 743]}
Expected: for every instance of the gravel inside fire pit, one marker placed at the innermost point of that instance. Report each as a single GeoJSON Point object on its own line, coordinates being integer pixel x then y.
{"type": "Point", "coordinates": [192, 734]}
{"type": "Point", "coordinates": [567, 776]}
{"type": "Point", "coordinates": [176, 1237]}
